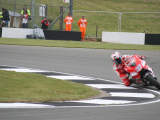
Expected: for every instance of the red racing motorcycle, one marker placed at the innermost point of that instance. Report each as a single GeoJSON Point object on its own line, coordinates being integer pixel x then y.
{"type": "Point", "coordinates": [140, 73]}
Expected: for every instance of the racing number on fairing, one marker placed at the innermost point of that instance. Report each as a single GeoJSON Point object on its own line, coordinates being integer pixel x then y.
{"type": "Point", "coordinates": [138, 68]}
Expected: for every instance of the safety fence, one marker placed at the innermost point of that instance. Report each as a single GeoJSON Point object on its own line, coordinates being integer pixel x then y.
{"type": "Point", "coordinates": [98, 21]}
{"type": "Point", "coordinates": [38, 11]}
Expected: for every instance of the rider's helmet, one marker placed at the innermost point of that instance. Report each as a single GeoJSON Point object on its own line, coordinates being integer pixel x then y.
{"type": "Point", "coordinates": [116, 58]}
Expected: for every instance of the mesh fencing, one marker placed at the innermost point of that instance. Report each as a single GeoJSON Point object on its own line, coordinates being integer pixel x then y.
{"type": "Point", "coordinates": [140, 22]}
{"type": "Point", "coordinates": [98, 21]}
{"type": "Point", "coordinates": [51, 10]}
{"type": "Point", "coordinates": [16, 6]}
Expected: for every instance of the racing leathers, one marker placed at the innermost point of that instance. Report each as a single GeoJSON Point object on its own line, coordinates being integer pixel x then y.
{"type": "Point", "coordinates": [120, 69]}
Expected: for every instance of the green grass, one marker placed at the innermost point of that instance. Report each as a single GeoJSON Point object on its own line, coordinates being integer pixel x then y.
{"type": "Point", "coordinates": [29, 87]}
{"type": "Point", "coordinates": [105, 21]}
{"type": "Point", "coordinates": [76, 44]}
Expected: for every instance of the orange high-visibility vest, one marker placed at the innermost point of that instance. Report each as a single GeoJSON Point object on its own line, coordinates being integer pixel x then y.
{"type": "Point", "coordinates": [68, 21]}
{"type": "Point", "coordinates": [82, 23]}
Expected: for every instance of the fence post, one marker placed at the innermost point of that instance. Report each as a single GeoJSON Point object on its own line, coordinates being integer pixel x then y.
{"type": "Point", "coordinates": [42, 11]}
{"type": "Point", "coordinates": [96, 31]}
{"type": "Point", "coordinates": [71, 11]}
{"type": "Point", "coordinates": [119, 21]}
{"type": "Point", "coordinates": [61, 19]}
{"type": "Point", "coordinates": [46, 10]}
{"type": "Point", "coordinates": [33, 13]}
{"type": "Point", "coordinates": [71, 7]}
{"type": "Point", "coordinates": [14, 7]}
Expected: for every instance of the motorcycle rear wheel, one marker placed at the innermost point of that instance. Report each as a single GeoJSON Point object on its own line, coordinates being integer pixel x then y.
{"type": "Point", "coordinates": [153, 81]}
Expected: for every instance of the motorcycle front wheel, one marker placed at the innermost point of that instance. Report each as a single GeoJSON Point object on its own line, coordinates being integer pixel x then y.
{"type": "Point", "coordinates": [153, 81]}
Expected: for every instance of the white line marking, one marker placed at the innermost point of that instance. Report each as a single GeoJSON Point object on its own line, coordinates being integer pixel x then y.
{"type": "Point", "coordinates": [115, 86]}
{"type": "Point", "coordinates": [22, 70]}
{"type": "Point", "coordinates": [23, 105]}
{"type": "Point", "coordinates": [124, 94]}
{"type": "Point", "coordinates": [70, 77]}
{"type": "Point", "coordinates": [103, 101]}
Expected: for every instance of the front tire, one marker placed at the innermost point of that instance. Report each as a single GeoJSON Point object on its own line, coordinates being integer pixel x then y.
{"type": "Point", "coordinates": [153, 81]}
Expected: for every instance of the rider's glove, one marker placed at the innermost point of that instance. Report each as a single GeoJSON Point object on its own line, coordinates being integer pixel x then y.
{"type": "Point", "coordinates": [143, 57]}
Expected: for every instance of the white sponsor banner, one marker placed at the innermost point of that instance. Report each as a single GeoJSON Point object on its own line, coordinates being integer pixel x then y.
{"type": "Point", "coordinates": [66, 1]}
{"type": "Point", "coordinates": [15, 32]}
{"type": "Point", "coordinates": [123, 37]}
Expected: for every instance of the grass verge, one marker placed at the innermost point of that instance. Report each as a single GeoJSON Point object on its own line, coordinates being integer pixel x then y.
{"type": "Point", "coordinates": [29, 87]}
{"type": "Point", "coordinates": [76, 44]}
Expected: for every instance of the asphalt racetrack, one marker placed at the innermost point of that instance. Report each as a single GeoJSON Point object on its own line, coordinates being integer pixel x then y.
{"type": "Point", "coordinates": [87, 62]}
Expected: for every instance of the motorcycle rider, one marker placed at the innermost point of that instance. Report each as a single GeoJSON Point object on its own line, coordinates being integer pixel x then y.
{"type": "Point", "coordinates": [122, 61]}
